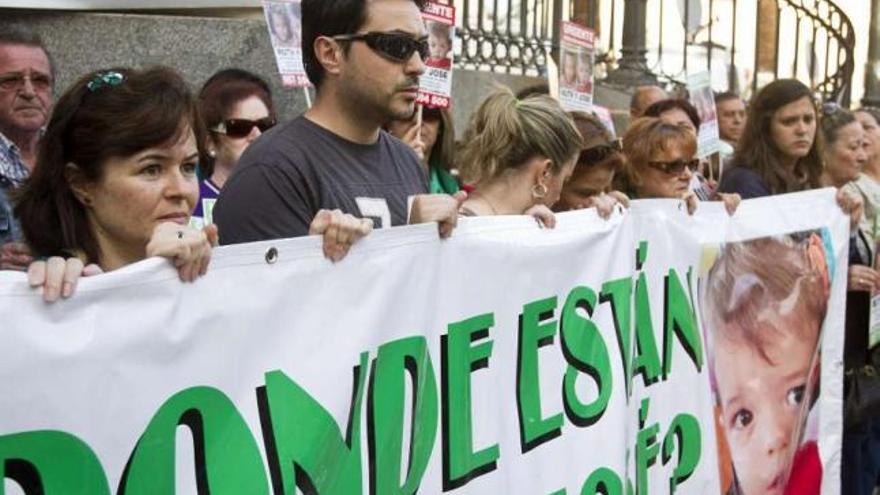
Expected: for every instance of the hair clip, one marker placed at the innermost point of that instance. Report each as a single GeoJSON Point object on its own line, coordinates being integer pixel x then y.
{"type": "Point", "coordinates": [830, 108]}
{"type": "Point", "coordinates": [104, 79]}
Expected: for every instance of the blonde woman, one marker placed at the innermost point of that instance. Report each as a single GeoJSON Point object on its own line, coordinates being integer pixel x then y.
{"type": "Point", "coordinates": [518, 154]}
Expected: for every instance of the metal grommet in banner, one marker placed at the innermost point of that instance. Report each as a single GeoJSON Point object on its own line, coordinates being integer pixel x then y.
{"type": "Point", "coordinates": [271, 255]}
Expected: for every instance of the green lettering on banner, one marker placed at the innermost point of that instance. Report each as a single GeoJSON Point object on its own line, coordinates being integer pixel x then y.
{"type": "Point", "coordinates": [619, 294]}
{"type": "Point", "coordinates": [684, 432]}
{"type": "Point", "coordinates": [647, 359]}
{"type": "Point", "coordinates": [385, 412]}
{"type": "Point", "coordinates": [460, 358]}
{"type": "Point", "coordinates": [51, 463]}
{"type": "Point", "coordinates": [537, 328]}
{"type": "Point", "coordinates": [304, 443]}
{"type": "Point", "coordinates": [228, 460]}
{"type": "Point", "coordinates": [585, 350]}
{"type": "Point", "coordinates": [603, 481]}
{"type": "Point", "coordinates": [647, 448]}
{"type": "Point", "coordinates": [681, 322]}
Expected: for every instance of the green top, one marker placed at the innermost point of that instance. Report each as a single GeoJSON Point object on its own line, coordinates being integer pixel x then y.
{"type": "Point", "coordinates": [442, 182]}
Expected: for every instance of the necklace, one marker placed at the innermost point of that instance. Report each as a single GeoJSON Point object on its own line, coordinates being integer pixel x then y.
{"type": "Point", "coordinates": [484, 199]}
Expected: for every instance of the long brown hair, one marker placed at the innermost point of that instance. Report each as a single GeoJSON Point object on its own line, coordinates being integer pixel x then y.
{"type": "Point", "coordinates": [757, 151]}
{"type": "Point", "coordinates": [101, 116]}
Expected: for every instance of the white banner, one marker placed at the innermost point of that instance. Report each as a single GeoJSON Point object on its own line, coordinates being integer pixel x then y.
{"type": "Point", "coordinates": [507, 359]}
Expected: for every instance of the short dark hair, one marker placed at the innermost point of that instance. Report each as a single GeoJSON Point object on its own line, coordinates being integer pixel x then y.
{"type": "Point", "coordinates": [16, 34]}
{"type": "Point", "coordinates": [148, 108]}
{"type": "Point", "coordinates": [726, 95]}
{"type": "Point", "coordinates": [219, 95]}
{"type": "Point", "coordinates": [330, 18]}
{"type": "Point", "coordinates": [663, 106]}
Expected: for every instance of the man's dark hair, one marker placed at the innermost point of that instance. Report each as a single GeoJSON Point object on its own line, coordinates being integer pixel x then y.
{"type": "Point", "coordinates": [17, 34]}
{"type": "Point", "coordinates": [725, 96]}
{"type": "Point", "coordinates": [330, 18]}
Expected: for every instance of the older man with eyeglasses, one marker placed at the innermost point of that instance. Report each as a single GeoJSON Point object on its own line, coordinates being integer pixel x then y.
{"type": "Point", "coordinates": [26, 78]}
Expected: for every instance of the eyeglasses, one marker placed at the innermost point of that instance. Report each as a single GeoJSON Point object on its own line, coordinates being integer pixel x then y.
{"type": "Point", "coordinates": [676, 167]}
{"type": "Point", "coordinates": [597, 154]}
{"type": "Point", "coordinates": [398, 47]}
{"type": "Point", "coordinates": [239, 128]}
{"type": "Point", "coordinates": [15, 80]}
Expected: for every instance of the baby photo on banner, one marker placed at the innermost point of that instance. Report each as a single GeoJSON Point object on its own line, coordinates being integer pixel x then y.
{"type": "Point", "coordinates": [701, 96]}
{"type": "Point", "coordinates": [436, 82]}
{"type": "Point", "coordinates": [764, 303]}
{"type": "Point", "coordinates": [576, 67]}
{"type": "Point", "coordinates": [284, 21]}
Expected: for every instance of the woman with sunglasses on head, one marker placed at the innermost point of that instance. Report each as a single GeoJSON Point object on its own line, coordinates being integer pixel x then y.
{"type": "Point", "coordinates": [845, 155]}
{"type": "Point", "coordinates": [518, 154]}
{"type": "Point", "coordinates": [434, 143]}
{"type": "Point", "coordinates": [661, 162]}
{"type": "Point", "coordinates": [600, 158]}
{"type": "Point", "coordinates": [236, 106]}
{"type": "Point", "coordinates": [868, 183]}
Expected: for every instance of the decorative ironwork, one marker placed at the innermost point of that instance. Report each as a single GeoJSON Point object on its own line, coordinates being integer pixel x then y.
{"type": "Point", "coordinates": [512, 36]}
{"type": "Point", "coordinates": [817, 40]}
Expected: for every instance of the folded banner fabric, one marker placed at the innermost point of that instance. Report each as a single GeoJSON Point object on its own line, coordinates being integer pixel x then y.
{"type": "Point", "coordinates": [654, 352]}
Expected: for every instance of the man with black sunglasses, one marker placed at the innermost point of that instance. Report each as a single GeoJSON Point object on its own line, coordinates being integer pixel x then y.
{"type": "Point", "coordinates": [364, 58]}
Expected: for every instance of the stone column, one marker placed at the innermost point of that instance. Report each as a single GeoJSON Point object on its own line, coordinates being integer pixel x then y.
{"type": "Point", "coordinates": [632, 70]}
{"type": "Point", "coordinates": [872, 67]}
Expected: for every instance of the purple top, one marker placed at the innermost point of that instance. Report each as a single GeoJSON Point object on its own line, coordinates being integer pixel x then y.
{"type": "Point", "coordinates": [208, 192]}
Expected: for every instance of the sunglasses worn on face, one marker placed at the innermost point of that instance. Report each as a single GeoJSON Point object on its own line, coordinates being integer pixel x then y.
{"type": "Point", "coordinates": [597, 154]}
{"type": "Point", "coordinates": [239, 128]}
{"type": "Point", "coordinates": [15, 81]}
{"type": "Point", "coordinates": [676, 167]}
{"type": "Point", "coordinates": [398, 47]}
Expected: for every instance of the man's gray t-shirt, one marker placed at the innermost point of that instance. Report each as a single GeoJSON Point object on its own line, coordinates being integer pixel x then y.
{"type": "Point", "coordinates": [298, 168]}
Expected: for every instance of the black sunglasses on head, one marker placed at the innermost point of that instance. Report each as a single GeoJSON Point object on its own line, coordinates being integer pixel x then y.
{"type": "Point", "coordinates": [398, 47]}
{"type": "Point", "coordinates": [676, 167]}
{"type": "Point", "coordinates": [597, 154]}
{"type": "Point", "coordinates": [239, 128]}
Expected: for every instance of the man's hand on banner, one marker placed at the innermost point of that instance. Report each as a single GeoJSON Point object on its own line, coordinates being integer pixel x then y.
{"type": "Point", "coordinates": [15, 256]}
{"type": "Point", "coordinates": [340, 231]}
{"type": "Point", "coordinates": [852, 205]}
{"type": "Point", "coordinates": [440, 208]}
{"type": "Point", "coordinates": [58, 276]}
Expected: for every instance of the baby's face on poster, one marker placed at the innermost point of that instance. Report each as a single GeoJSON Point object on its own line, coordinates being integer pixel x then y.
{"type": "Point", "coordinates": [761, 399]}
{"type": "Point", "coordinates": [438, 46]}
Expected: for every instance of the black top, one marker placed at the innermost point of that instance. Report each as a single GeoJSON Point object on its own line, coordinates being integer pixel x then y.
{"type": "Point", "coordinates": [298, 168]}
{"type": "Point", "coordinates": [745, 182]}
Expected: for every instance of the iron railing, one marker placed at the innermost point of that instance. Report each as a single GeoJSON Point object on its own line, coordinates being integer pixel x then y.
{"type": "Point", "coordinates": [812, 40]}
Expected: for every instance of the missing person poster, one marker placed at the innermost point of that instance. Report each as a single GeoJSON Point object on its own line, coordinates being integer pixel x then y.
{"type": "Point", "coordinates": [284, 21]}
{"type": "Point", "coordinates": [701, 96]}
{"type": "Point", "coordinates": [436, 82]}
{"type": "Point", "coordinates": [577, 55]}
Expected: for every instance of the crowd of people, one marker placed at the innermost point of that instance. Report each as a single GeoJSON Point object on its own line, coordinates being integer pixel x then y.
{"type": "Point", "coordinates": [131, 163]}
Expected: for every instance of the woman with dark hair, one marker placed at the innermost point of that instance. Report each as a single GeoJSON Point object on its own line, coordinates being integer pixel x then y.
{"type": "Point", "coordinates": [115, 183]}
{"type": "Point", "coordinates": [434, 143]}
{"type": "Point", "coordinates": [237, 108]}
{"type": "Point", "coordinates": [600, 158]}
{"type": "Point", "coordinates": [779, 151]}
